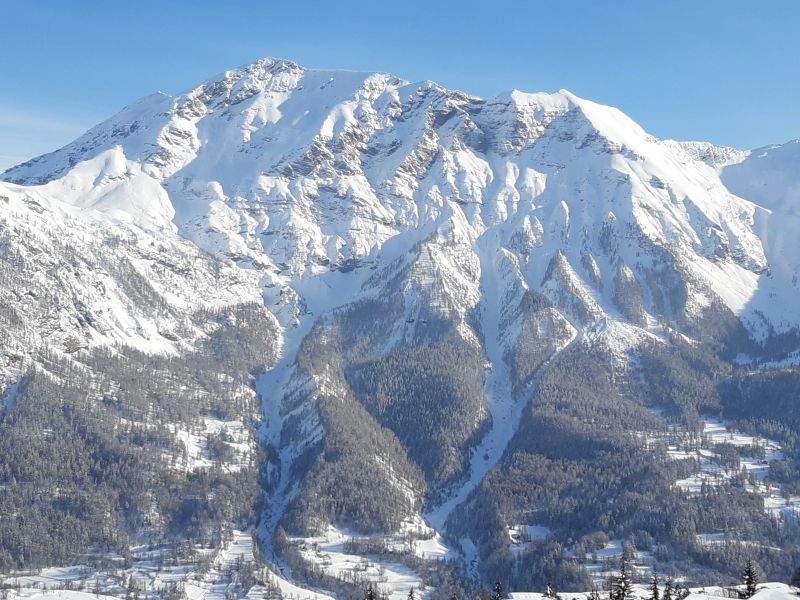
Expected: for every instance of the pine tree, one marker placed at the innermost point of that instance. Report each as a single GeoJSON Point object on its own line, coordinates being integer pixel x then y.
{"type": "Point", "coordinates": [550, 592]}
{"type": "Point", "coordinates": [411, 593]}
{"type": "Point", "coordinates": [611, 587]}
{"type": "Point", "coordinates": [795, 581]}
{"type": "Point", "coordinates": [668, 589]}
{"type": "Point", "coordinates": [749, 578]}
{"type": "Point", "coordinates": [654, 594]}
{"type": "Point", "coordinates": [498, 591]}
{"type": "Point", "coordinates": [369, 593]}
{"type": "Point", "coordinates": [594, 594]}
{"type": "Point", "coordinates": [622, 588]}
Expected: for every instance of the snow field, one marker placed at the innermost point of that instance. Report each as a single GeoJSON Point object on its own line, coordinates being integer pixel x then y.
{"type": "Point", "coordinates": [233, 434]}
{"type": "Point", "coordinates": [390, 577]}
{"type": "Point", "coordinates": [153, 571]}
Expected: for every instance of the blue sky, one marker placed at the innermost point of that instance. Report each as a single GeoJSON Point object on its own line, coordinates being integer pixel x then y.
{"type": "Point", "coordinates": [718, 70]}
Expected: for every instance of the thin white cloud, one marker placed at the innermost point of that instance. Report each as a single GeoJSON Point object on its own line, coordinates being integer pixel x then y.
{"type": "Point", "coordinates": [15, 118]}
{"type": "Point", "coordinates": [26, 133]}
{"type": "Point", "coordinates": [7, 161]}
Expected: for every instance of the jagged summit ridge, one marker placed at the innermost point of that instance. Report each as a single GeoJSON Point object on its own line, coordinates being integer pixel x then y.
{"type": "Point", "coordinates": [295, 170]}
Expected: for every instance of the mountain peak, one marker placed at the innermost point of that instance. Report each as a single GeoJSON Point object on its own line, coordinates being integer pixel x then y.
{"type": "Point", "coordinates": [330, 164]}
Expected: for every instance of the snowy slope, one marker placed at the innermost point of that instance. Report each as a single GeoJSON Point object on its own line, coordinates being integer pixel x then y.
{"type": "Point", "coordinates": [299, 171]}
{"type": "Point", "coordinates": [72, 280]}
{"type": "Point", "coordinates": [769, 177]}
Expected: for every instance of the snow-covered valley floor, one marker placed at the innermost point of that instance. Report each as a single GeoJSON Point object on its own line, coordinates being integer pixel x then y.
{"type": "Point", "coordinates": [201, 574]}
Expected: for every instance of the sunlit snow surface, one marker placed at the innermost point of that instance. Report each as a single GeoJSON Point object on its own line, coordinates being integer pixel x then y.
{"type": "Point", "coordinates": [296, 171]}
{"type": "Point", "coordinates": [328, 552]}
{"type": "Point", "coordinates": [385, 570]}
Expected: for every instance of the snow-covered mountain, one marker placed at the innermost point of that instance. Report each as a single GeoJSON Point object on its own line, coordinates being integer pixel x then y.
{"type": "Point", "coordinates": [429, 257]}
{"type": "Point", "coordinates": [297, 172]}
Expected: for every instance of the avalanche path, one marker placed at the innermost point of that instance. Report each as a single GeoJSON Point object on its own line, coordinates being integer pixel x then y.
{"type": "Point", "coordinates": [270, 387]}
{"type": "Point", "coordinates": [504, 408]}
